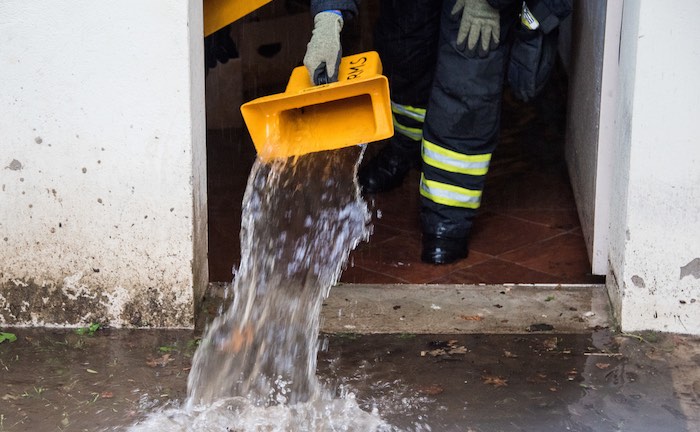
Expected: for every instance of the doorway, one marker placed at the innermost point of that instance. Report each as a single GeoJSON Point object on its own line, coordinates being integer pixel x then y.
{"type": "Point", "coordinates": [527, 231]}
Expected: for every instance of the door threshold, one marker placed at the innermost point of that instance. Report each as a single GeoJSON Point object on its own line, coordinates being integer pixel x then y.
{"type": "Point", "coordinates": [466, 309]}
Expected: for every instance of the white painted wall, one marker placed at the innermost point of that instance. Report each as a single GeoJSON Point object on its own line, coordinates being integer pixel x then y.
{"type": "Point", "coordinates": [583, 127]}
{"type": "Point", "coordinates": [102, 162]}
{"type": "Point", "coordinates": [655, 229]}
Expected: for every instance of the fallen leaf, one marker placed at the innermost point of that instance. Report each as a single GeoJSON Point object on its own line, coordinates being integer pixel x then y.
{"type": "Point", "coordinates": [445, 348]}
{"type": "Point", "coordinates": [239, 338]}
{"type": "Point", "coordinates": [540, 327]}
{"type": "Point", "coordinates": [457, 350]}
{"type": "Point", "coordinates": [161, 361]}
{"type": "Point", "coordinates": [10, 337]}
{"type": "Point", "coordinates": [551, 343]}
{"type": "Point", "coordinates": [602, 365]}
{"type": "Point", "coordinates": [431, 390]}
{"type": "Point", "coordinates": [439, 344]}
{"type": "Point", "coordinates": [538, 377]}
{"type": "Point", "coordinates": [495, 381]}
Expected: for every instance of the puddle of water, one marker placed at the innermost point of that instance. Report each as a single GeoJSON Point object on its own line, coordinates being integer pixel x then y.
{"type": "Point", "coordinates": [256, 366]}
{"type": "Point", "coordinates": [54, 379]}
{"type": "Point", "coordinates": [239, 414]}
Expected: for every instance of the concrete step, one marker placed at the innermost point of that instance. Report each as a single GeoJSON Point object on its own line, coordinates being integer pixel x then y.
{"type": "Point", "coordinates": [465, 309]}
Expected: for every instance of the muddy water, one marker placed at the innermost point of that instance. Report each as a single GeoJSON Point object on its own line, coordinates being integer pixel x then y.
{"type": "Point", "coordinates": [256, 366]}
{"type": "Point", "coordinates": [57, 380]}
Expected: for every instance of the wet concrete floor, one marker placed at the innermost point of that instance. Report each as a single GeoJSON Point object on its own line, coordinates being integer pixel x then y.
{"type": "Point", "coordinates": [59, 380]}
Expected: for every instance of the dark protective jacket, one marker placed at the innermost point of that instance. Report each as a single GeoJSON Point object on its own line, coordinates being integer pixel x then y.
{"type": "Point", "coordinates": [548, 12]}
{"type": "Point", "coordinates": [349, 7]}
{"type": "Point", "coordinates": [533, 54]}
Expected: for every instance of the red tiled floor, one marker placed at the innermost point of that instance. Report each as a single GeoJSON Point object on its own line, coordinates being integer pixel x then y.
{"type": "Point", "coordinates": [360, 275]}
{"type": "Point", "coordinates": [496, 271]}
{"type": "Point", "coordinates": [563, 255]}
{"type": "Point", "coordinates": [560, 219]}
{"type": "Point", "coordinates": [399, 258]}
{"type": "Point", "coordinates": [495, 234]}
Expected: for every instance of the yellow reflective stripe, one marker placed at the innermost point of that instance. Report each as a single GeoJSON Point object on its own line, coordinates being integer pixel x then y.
{"type": "Point", "coordinates": [450, 195]}
{"type": "Point", "coordinates": [413, 133]}
{"type": "Point", "coordinates": [408, 111]}
{"type": "Point", "coordinates": [451, 161]}
{"type": "Point", "coordinates": [528, 20]}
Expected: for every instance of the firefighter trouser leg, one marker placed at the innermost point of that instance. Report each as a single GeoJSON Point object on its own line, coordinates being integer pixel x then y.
{"type": "Point", "coordinates": [460, 130]}
{"type": "Point", "coordinates": [406, 39]}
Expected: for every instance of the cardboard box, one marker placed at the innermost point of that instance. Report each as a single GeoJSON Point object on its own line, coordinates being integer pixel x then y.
{"type": "Point", "coordinates": [270, 49]}
{"type": "Point", "coordinates": [224, 95]}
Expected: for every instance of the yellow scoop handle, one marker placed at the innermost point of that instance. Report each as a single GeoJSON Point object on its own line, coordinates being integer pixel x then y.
{"type": "Point", "coordinates": [220, 13]}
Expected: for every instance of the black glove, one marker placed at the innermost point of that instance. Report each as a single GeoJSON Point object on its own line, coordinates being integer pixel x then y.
{"type": "Point", "coordinates": [219, 47]}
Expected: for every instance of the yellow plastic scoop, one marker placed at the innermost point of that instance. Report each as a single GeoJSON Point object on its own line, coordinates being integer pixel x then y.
{"type": "Point", "coordinates": [307, 118]}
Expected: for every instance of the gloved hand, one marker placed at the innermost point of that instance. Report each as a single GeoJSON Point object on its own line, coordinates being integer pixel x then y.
{"type": "Point", "coordinates": [324, 50]}
{"type": "Point", "coordinates": [479, 22]}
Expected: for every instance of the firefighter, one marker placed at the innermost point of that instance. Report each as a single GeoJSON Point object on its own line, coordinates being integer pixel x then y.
{"type": "Point", "coordinates": [447, 63]}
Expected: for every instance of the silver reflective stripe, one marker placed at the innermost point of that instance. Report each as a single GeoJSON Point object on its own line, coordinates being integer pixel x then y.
{"type": "Point", "coordinates": [449, 195]}
{"type": "Point", "coordinates": [417, 114]}
{"type": "Point", "coordinates": [413, 133]}
{"type": "Point", "coordinates": [451, 161]}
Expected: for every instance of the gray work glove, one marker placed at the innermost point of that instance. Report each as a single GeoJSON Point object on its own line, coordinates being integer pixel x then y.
{"type": "Point", "coordinates": [479, 22]}
{"type": "Point", "coordinates": [324, 50]}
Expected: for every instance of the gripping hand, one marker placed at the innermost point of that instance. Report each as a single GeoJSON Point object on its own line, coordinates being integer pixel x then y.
{"type": "Point", "coordinates": [479, 28]}
{"type": "Point", "coordinates": [323, 51]}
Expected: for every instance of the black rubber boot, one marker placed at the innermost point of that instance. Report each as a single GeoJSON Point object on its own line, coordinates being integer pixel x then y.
{"type": "Point", "coordinates": [388, 169]}
{"type": "Point", "coordinates": [443, 250]}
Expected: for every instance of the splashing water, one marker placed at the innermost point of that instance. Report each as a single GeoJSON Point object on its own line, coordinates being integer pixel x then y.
{"type": "Point", "coordinates": [256, 366]}
{"type": "Point", "coordinates": [301, 218]}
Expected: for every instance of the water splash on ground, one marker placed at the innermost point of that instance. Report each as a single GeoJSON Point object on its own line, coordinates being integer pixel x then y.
{"type": "Point", "coordinates": [256, 366]}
